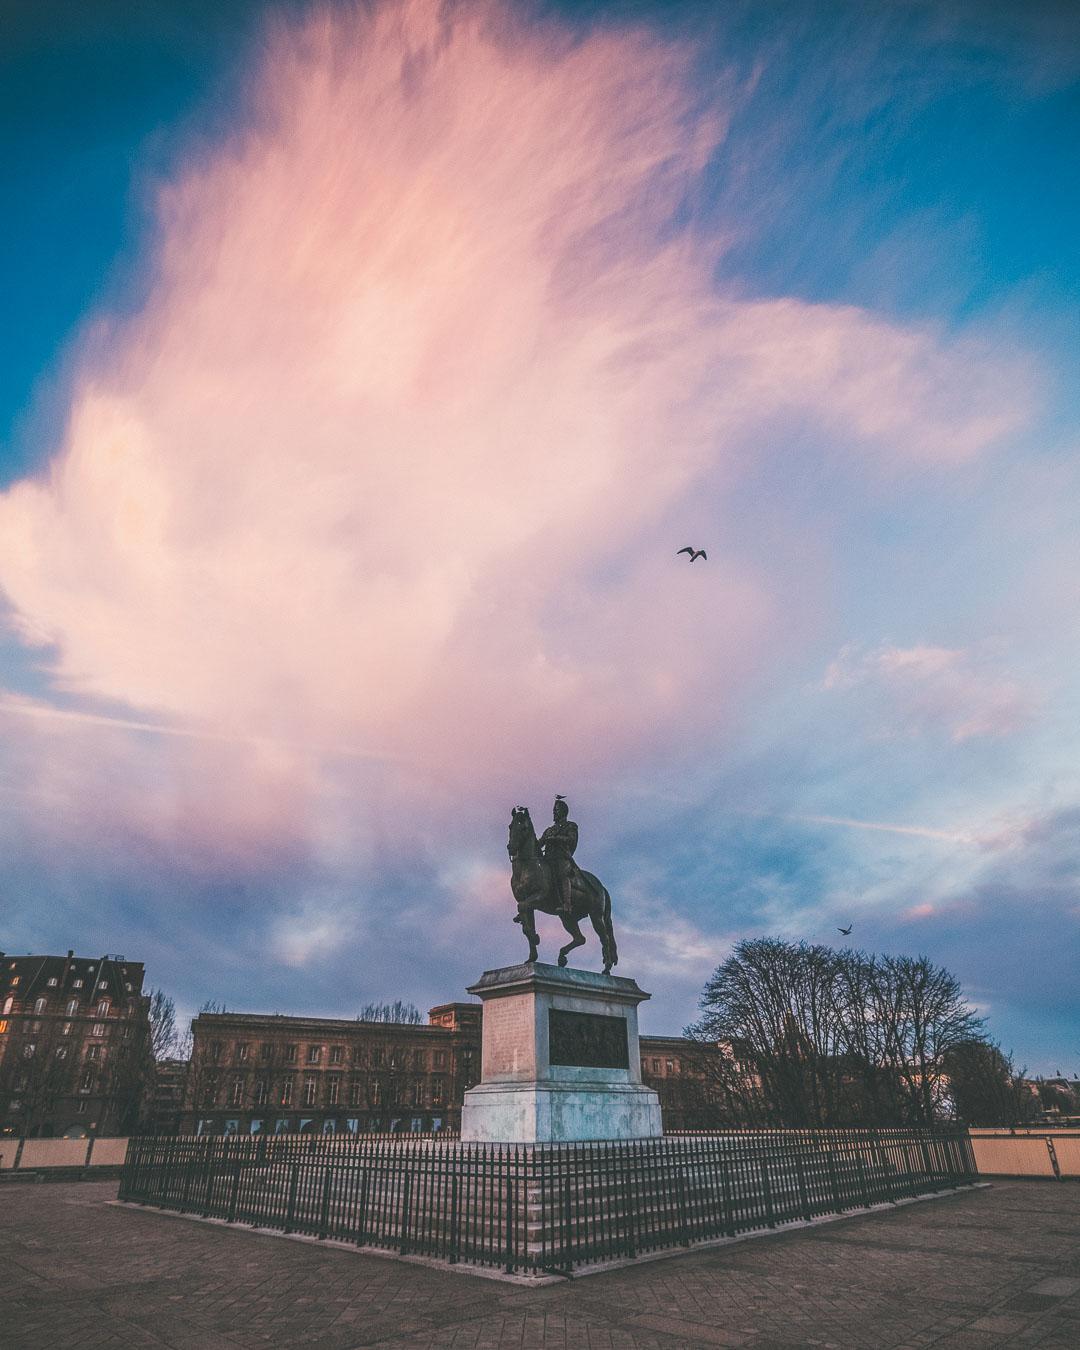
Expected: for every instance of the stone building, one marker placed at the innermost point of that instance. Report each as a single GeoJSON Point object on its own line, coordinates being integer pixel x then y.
{"type": "Point", "coordinates": [74, 1045]}
{"type": "Point", "coordinates": [253, 1073]}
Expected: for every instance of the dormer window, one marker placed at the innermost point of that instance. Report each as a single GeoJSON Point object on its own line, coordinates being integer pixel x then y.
{"type": "Point", "coordinates": [77, 984]}
{"type": "Point", "coordinates": [7, 1003]}
{"type": "Point", "coordinates": [53, 982]}
{"type": "Point", "coordinates": [103, 1008]}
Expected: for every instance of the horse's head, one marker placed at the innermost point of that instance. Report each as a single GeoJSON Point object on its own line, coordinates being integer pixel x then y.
{"type": "Point", "coordinates": [521, 831]}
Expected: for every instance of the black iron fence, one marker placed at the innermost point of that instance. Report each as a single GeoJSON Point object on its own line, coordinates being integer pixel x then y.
{"type": "Point", "coordinates": [540, 1207]}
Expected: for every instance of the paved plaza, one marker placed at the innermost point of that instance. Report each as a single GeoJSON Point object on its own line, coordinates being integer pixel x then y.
{"type": "Point", "coordinates": [992, 1267]}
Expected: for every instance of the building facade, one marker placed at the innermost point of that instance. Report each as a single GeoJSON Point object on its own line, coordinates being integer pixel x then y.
{"type": "Point", "coordinates": [256, 1074]}
{"type": "Point", "coordinates": [74, 1045]}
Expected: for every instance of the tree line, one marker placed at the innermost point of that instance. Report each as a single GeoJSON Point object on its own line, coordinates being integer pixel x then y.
{"type": "Point", "coordinates": [804, 1035]}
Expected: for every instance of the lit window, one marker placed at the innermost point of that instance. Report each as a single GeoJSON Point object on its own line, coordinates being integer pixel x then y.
{"type": "Point", "coordinates": [309, 1091]}
{"type": "Point", "coordinates": [8, 1003]}
{"type": "Point", "coordinates": [3, 1027]}
{"type": "Point", "coordinates": [14, 981]}
{"type": "Point", "coordinates": [99, 1028]}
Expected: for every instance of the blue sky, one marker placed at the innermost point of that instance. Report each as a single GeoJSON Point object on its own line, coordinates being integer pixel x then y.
{"type": "Point", "coordinates": [553, 292]}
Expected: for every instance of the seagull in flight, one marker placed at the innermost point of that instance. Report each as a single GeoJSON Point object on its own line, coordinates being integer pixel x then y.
{"type": "Point", "coordinates": [846, 930]}
{"type": "Point", "coordinates": [695, 553]}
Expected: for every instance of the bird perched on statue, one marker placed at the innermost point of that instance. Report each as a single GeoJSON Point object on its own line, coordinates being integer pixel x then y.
{"type": "Point", "coordinates": [695, 553]}
{"type": "Point", "coordinates": [846, 930]}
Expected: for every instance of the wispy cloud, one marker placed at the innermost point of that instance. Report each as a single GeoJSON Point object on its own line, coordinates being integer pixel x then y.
{"type": "Point", "coordinates": [930, 687]}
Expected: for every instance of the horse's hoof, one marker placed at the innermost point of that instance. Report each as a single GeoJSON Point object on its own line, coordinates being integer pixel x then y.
{"type": "Point", "coordinates": [607, 970]}
{"type": "Point", "coordinates": [562, 959]}
{"type": "Point", "coordinates": [517, 918]}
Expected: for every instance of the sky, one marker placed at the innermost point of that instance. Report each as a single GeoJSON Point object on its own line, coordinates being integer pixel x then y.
{"type": "Point", "coordinates": [364, 365]}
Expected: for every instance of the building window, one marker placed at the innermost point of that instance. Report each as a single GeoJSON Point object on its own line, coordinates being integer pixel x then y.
{"type": "Point", "coordinates": [128, 987]}
{"type": "Point", "coordinates": [103, 1008]}
{"type": "Point", "coordinates": [76, 984]}
{"type": "Point", "coordinates": [265, 1051]}
{"type": "Point", "coordinates": [261, 1094]}
{"type": "Point", "coordinates": [314, 1054]}
{"type": "Point", "coordinates": [93, 1052]}
{"type": "Point", "coordinates": [28, 1050]}
{"type": "Point", "coordinates": [73, 1007]}
{"type": "Point", "coordinates": [356, 1093]}
{"type": "Point", "coordinates": [8, 1003]}
{"type": "Point", "coordinates": [242, 1051]}
{"type": "Point", "coordinates": [237, 1098]}
{"type": "Point", "coordinates": [40, 1004]}
{"type": "Point", "coordinates": [286, 1092]}
{"type": "Point", "coordinates": [87, 1081]}
{"type": "Point", "coordinates": [61, 1052]}
{"type": "Point", "coordinates": [309, 1091]}
{"type": "Point", "coordinates": [376, 1093]}
{"type": "Point", "coordinates": [3, 1027]}
{"type": "Point", "coordinates": [52, 983]}
{"type": "Point", "coordinates": [290, 1054]}
{"type": "Point", "coordinates": [99, 1028]}
{"type": "Point", "coordinates": [438, 1090]}
{"type": "Point", "coordinates": [418, 1092]}
{"type": "Point", "coordinates": [80, 1108]}
{"type": "Point", "coordinates": [440, 1059]}
{"type": "Point", "coordinates": [335, 1054]}
{"type": "Point", "coordinates": [333, 1091]}
{"type": "Point", "coordinates": [14, 981]}
{"type": "Point", "coordinates": [215, 1051]}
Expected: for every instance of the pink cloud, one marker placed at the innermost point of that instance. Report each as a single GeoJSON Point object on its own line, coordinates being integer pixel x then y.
{"type": "Point", "coordinates": [381, 466]}
{"type": "Point", "coordinates": [936, 687]}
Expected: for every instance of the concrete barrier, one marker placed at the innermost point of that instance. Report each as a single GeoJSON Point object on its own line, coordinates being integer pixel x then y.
{"type": "Point", "coordinates": [44, 1155]}
{"type": "Point", "coordinates": [1052, 1153]}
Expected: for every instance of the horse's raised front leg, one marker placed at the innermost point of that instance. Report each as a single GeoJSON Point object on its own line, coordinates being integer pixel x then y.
{"type": "Point", "coordinates": [571, 926]}
{"type": "Point", "coordinates": [526, 916]}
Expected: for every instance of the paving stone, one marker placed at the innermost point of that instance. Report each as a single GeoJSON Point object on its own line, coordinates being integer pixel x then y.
{"type": "Point", "coordinates": [982, 1269]}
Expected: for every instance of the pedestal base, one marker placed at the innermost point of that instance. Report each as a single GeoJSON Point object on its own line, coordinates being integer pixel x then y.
{"type": "Point", "coordinates": [528, 1113]}
{"type": "Point", "coordinates": [561, 1060]}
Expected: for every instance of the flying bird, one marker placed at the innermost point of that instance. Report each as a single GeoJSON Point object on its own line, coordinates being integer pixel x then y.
{"type": "Point", "coordinates": [846, 930]}
{"type": "Point", "coordinates": [695, 553]}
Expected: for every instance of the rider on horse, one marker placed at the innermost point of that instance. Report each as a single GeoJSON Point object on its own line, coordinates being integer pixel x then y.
{"type": "Point", "coordinates": [557, 844]}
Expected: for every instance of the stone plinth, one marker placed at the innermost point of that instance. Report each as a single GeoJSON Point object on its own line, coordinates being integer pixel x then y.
{"type": "Point", "coordinates": [560, 1059]}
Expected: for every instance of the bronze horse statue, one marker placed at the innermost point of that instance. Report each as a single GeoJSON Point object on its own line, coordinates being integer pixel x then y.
{"type": "Point", "coordinates": [533, 889]}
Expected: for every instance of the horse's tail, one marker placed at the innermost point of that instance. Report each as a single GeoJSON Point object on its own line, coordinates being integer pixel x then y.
{"type": "Point", "coordinates": [613, 951]}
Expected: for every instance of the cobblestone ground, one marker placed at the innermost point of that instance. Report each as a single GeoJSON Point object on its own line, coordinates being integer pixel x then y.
{"type": "Point", "coordinates": [998, 1267]}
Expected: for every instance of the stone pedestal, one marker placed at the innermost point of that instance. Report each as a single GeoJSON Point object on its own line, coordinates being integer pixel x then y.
{"type": "Point", "coordinates": [560, 1059]}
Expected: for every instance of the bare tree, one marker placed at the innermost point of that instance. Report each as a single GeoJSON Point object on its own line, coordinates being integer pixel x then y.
{"type": "Point", "coordinates": [398, 1011]}
{"type": "Point", "coordinates": [37, 1071]}
{"type": "Point", "coordinates": [164, 1036]}
{"type": "Point", "coordinates": [797, 1034]}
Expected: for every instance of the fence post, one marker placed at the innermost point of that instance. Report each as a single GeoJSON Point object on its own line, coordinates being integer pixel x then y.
{"type": "Point", "coordinates": [405, 1204]}
{"type": "Point", "coordinates": [510, 1203]}
{"type": "Point", "coordinates": [208, 1176]}
{"type": "Point", "coordinates": [453, 1235]}
{"type": "Point", "coordinates": [324, 1209]}
{"type": "Point", "coordinates": [766, 1184]}
{"type": "Point", "coordinates": [235, 1192]}
{"type": "Point", "coordinates": [800, 1177]}
{"type": "Point", "coordinates": [293, 1182]}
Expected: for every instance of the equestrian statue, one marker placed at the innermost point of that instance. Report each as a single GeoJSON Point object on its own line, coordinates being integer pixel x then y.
{"type": "Point", "coordinates": [545, 877]}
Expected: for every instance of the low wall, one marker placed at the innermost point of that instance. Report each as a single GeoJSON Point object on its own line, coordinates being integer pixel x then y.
{"type": "Point", "coordinates": [1050, 1153]}
{"type": "Point", "coordinates": [44, 1155]}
